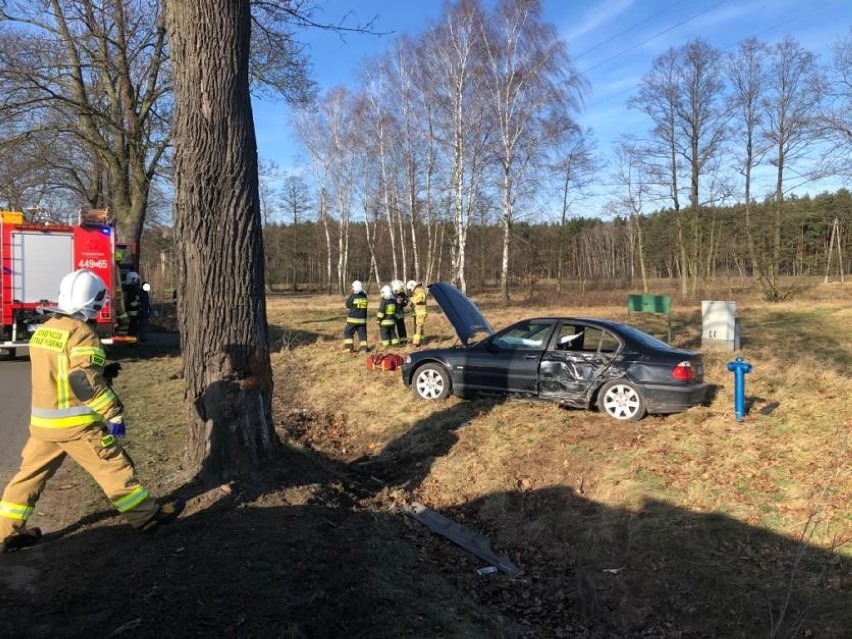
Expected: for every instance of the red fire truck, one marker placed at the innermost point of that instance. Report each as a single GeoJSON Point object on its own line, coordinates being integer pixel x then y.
{"type": "Point", "coordinates": [35, 256]}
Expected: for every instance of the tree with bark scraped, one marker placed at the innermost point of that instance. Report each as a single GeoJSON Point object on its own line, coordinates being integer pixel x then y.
{"type": "Point", "coordinates": [221, 302]}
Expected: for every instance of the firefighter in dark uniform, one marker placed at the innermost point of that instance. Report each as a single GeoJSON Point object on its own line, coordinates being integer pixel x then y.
{"type": "Point", "coordinates": [401, 297]}
{"type": "Point", "coordinates": [356, 319]}
{"type": "Point", "coordinates": [386, 317]}
{"type": "Point", "coordinates": [133, 301]}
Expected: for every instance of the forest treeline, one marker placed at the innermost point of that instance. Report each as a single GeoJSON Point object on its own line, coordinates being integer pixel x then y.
{"type": "Point", "coordinates": [815, 242]}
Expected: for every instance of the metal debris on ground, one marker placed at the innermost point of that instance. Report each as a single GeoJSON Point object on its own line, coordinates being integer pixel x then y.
{"type": "Point", "coordinates": [471, 541]}
{"type": "Point", "coordinates": [771, 406]}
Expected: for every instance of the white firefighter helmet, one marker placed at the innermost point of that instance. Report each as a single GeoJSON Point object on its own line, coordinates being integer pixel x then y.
{"type": "Point", "coordinates": [81, 293]}
{"type": "Point", "coordinates": [411, 285]}
{"type": "Point", "coordinates": [397, 286]}
{"type": "Point", "coordinates": [387, 292]}
{"type": "Point", "coordinates": [132, 278]}
{"type": "Point", "coordinates": [357, 287]}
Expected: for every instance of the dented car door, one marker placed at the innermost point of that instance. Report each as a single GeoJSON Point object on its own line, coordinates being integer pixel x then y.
{"type": "Point", "coordinates": [578, 357]}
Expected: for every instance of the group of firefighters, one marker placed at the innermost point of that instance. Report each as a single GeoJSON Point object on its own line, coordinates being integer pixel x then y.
{"type": "Point", "coordinates": [396, 299]}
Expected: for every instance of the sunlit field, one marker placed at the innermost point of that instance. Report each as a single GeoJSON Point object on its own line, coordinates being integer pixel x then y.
{"type": "Point", "coordinates": [714, 525]}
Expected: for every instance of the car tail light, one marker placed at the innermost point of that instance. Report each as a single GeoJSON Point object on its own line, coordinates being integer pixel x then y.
{"type": "Point", "coordinates": [684, 372]}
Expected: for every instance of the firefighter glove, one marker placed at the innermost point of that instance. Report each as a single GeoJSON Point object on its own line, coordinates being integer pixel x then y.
{"type": "Point", "coordinates": [111, 370]}
{"type": "Point", "coordinates": [117, 427]}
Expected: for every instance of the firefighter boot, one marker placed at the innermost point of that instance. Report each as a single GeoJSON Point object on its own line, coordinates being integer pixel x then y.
{"type": "Point", "coordinates": [21, 539]}
{"type": "Point", "coordinates": [166, 514]}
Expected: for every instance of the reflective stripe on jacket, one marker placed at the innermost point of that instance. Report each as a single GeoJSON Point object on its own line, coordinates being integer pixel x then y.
{"type": "Point", "coordinates": [62, 350]}
{"type": "Point", "coordinates": [387, 313]}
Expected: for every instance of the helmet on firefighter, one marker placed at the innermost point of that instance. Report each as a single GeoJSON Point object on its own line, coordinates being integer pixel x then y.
{"type": "Point", "coordinates": [119, 256]}
{"type": "Point", "coordinates": [411, 285]}
{"type": "Point", "coordinates": [357, 287]}
{"type": "Point", "coordinates": [132, 278]}
{"type": "Point", "coordinates": [387, 292]}
{"type": "Point", "coordinates": [397, 286]}
{"type": "Point", "coordinates": [81, 293]}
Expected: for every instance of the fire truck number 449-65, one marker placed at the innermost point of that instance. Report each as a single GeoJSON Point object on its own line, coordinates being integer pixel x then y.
{"type": "Point", "coordinates": [35, 256]}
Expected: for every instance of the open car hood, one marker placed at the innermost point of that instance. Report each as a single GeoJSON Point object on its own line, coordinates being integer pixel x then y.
{"type": "Point", "coordinates": [462, 313]}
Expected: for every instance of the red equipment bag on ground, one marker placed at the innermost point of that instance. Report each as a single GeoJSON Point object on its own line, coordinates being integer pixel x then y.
{"type": "Point", "coordinates": [382, 362]}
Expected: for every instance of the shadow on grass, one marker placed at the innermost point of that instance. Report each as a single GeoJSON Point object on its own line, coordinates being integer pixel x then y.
{"type": "Point", "coordinates": [298, 559]}
{"type": "Point", "coordinates": [405, 462]}
{"type": "Point", "coordinates": [306, 549]}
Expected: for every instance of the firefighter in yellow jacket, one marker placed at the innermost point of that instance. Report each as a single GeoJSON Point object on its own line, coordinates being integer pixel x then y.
{"type": "Point", "coordinates": [75, 413]}
{"type": "Point", "coordinates": [417, 295]}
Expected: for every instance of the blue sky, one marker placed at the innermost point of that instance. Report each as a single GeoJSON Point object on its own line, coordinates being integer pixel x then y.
{"type": "Point", "coordinates": [612, 42]}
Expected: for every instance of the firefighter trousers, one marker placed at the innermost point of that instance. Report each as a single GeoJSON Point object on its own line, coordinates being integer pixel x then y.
{"type": "Point", "coordinates": [349, 336]}
{"type": "Point", "coordinates": [401, 333]}
{"type": "Point", "coordinates": [419, 326]}
{"type": "Point", "coordinates": [102, 457]}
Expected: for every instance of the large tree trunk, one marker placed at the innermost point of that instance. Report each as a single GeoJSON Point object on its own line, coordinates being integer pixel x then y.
{"type": "Point", "coordinates": [221, 303]}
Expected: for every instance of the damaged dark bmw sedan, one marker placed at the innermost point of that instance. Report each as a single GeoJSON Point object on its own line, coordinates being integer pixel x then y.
{"type": "Point", "coordinates": [576, 362]}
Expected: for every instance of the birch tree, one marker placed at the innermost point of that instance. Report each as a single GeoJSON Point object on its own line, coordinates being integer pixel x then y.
{"type": "Point", "coordinates": [572, 168]}
{"type": "Point", "coordinates": [659, 99]}
{"type": "Point", "coordinates": [792, 104]}
{"type": "Point", "coordinates": [682, 94]}
{"type": "Point", "coordinates": [454, 53]}
{"type": "Point", "coordinates": [836, 114]}
{"type": "Point", "coordinates": [631, 175]}
{"type": "Point", "coordinates": [747, 74]}
{"type": "Point", "coordinates": [312, 127]}
{"type": "Point", "coordinates": [702, 121]}
{"type": "Point", "coordinates": [528, 74]}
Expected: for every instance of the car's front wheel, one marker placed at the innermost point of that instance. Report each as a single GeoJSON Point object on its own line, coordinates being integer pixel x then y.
{"type": "Point", "coordinates": [431, 382]}
{"type": "Point", "coordinates": [621, 400]}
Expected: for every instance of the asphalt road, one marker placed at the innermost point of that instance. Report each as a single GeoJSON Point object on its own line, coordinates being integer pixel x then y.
{"type": "Point", "coordinates": [14, 414]}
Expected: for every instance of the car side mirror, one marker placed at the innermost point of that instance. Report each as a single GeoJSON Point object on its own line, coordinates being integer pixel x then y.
{"type": "Point", "coordinates": [491, 347]}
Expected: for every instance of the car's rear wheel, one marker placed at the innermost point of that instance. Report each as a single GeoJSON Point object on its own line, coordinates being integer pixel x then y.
{"type": "Point", "coordinates": [621, 400]}
{"type": "Point", "coordinates": [431, 382]}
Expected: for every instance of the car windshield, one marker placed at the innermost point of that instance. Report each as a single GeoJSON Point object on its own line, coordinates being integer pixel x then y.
{"type": "Point", "coordinates": [531, 334]}
{"type": "Point", "coordinates": [644, 338]}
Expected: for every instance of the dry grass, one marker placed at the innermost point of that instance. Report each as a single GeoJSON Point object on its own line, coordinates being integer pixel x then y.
{"type": "Point", "coordinates": [699, 516]}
